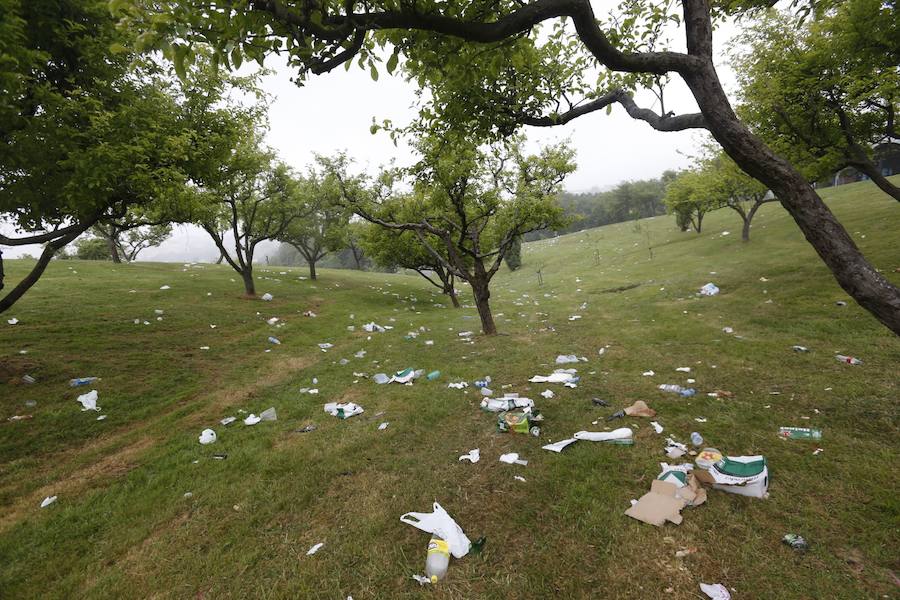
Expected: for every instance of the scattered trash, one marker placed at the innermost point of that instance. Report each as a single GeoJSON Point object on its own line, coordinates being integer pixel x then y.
{"type": "Point", "coordinates": [569, 358]}
{"type": "Point", "coordinates": [309, 313]}
{"type": "Point", "coordinates": [709, 289]}
{"type": "Point", "coordinates": [547, 394]}
{"type": "Point", "coordinates": [207, 436]}
{"type": "Point", "coordinates": [272, 321]}
{"type": "Point", "coordinates": [315, 548]}
{"type": "Point", "coordinates": [657, 426]}
{"type": "Point", "coordinates": [219, 456]}
{"type": "Point", "coordinates": [648, 373]}
{"type": "Point", "coordinates": [727, 330]}
{"type": "Point", "coordinates": [487, 391]}
{"type": "Point", "coordinates": [252, 419]}
{"type": "Point", "coordinates": [622, 435]}
{"type": "Point", "coordinates": [274, 340]}
{"type": "Point", "coordinates": [102, 417]}
{"type": "Point", "coordinates": [306, 429]}
{"type": "Point", "coordinates": [383, 426]}
{"type": "Point", "coordinates": [817, 451]}
{"type": "Point", "coordinates": [841, 303]}
{"type": "Point", "coordinates": [707, 458]}
{"type": "Point", "coordinates": [565, 376]}
{"type": "Point", "coordinates": [848, 359]}
{"type": "Point", "coordinates": [685, 552]}
{"type": "Point", "coordinates": [669, 493]}
{"type": "Point", "coordinates": [28, 379]}
{"type": "Point", "coordinates": [437, 560]}
{"type": "Point", "coordinates": [228, 420]}
{"type": "Point", "coordinates": [473, 456]}
{"type": "Point", "coordinates": [677, 389]}
{"type": "Point", "coordinates": [482, 383]}
{"type": "Point", "coordinates": [696, 439]}
{"type": "Point", "coordinates": [525, 421]}
{"type": "Point", "coordinates": [442, 525]}
{"type": "Point", "coordinates": [742, 475]}
{"type": "Point", "coordinates": [325, 346]}
{"type": "Point", "coordinates": [574, 317]}
{"type": "Point", "coordinates": [638, 409]}
{"type": "Point", "coordinates": [12, 321]}
{"type": "Point", "coordinates": [465, 334]}
{"type": "Point", "coordinates": [512, 458]}
{"type": "Point", "coordinates": [343, 411]}
{"type": "Point", "coordinates": [675, 449]}
{"type": "Point", "coordinates": [188, 495]}
{"type": "Point", "coordinates": [800, 348]}
{"type": "Point", "coordinates": [599, 402]}
{"type": "Point", "coordinates": [421, 579]}
{"type": "Point", "coordinates": [506, 403]}
{"type": "Point", "coordinates": [795, 541]}
{"type": "Point", "coordinates": [683, 369]}
{"type": "Point", "coordinates": [558, 446]}
{"type": "Point", "coordinates": [458, 385]}
{"type": "Point", "coordinates": [20, 417]}
{"type": "Point", "coordinates": [165, 287]}
{"type": "Point", "coordinates": [716, 591]}
{"type": "Point", "coordinates": [799, 433]}
{"type": "Point", "coordinates": [267, 297]}
{"type": "Point", "coordinates": [433, 375]}
{"type": "Point", "coordinates": [381, 378]}
{"type": "Point", "coordinates": [48, 501]}
{"type": "Point", "coordinates": [268, 415]}
{"type": "Point", "coordinates": [89, 401]}
{"type": "Point", "coordinates": [519, 478]}
{"type": "Point", "coordinates": [372, 327]}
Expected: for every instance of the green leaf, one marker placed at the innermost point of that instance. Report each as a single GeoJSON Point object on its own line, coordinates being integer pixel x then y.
{"type": "Point", "coordinates": [236, 58]}
{"type": "Point", "coordinates": [392, 63]}
{"type": "Point", "coordinates": [373, 72]}
{"type": "Point", "coordinates": [608, 108]}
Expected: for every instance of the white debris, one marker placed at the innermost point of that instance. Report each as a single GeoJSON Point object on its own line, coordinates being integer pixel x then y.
{"type": "Point", "coordinates": [165, 287]}
{"type": "Point", "coordinates": [267, 297]}
{"type": "Point", "coordinates": [89, 401]}
{"type": "Point", "coordinates": [473, 456]}
{"type": "Point", "coordinates": [207, 436]}
{"type": "Point", "coordinates": [252, 419]}
{"type": "Point", "coordinates": [657, 426]}
{"type": "Point", "coordinates": [48, 501]}
{"type": "Point", "coordinates": [709, 289]}
{"type": "Point", "coordinates": [648, 373]}
{"type": "Point", "coordinates": [512, 458]}
{"type": "Point", "coordinates": [383, 426]}
{"type": "Point", "coordinates": [12, 321]}
{"type": "Point", "coordinates": [314, 549]}
{"type": "Point", "coordinates": [547, 394]}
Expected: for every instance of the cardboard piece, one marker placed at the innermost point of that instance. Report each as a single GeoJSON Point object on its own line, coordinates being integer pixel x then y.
{"type": "Point", "coordinates": [665, 500]}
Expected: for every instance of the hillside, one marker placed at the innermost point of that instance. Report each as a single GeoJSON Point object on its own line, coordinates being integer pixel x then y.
{"type": "Point", "coordinates": [123, 525]}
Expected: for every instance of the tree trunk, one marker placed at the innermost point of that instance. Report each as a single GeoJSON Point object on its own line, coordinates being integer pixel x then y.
{"type": "Point", "coordinates": [482, 298]}
{"type": "Point", "coordinates": [878, 179]}
{"type": "Point", "coordinates": [820, 227]}
{"type": "Point", "coordinates": [249, 284]}
{"type": "Point", "coordinates": [698, 223]}
{"type": "Point", "coordinates": [312, 268]}
{"type": "Point", "coordinates": [745, 232]}
{"type": "Point", "coordinates": [221, 258]}
{"type": "Point", "coordinates": [113, 250]}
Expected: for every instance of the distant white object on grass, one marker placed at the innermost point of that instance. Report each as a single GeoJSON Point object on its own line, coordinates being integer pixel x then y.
{"type": "Point", "coordinates": [716, 591]}
{"type": "Point", "coordinates": [48, 501]}
{"type": "Point", "coordinates": [267, 297]}
{"type": "Point", "coordinates": [648, 373]}
{"type": "Point", "coordinates": [207, 436]}
{"type": "Point", "coordinates": [12, 321]}
{"type": "Point", "coordinates": [657, 426]}
{"type": "Point", "coordinates": [709, 289]}
{"type": "Point", "coordinates": [165, 287]}
{"type": "Point", "coordinates": [683, 369]}
{"type": "Point", "coordinates": [547, 394]}
{"type": "Point", "coordinates": [383, 426]}
{"type": "Point", "coordinates": [512, 458]}
{"type": "Point", "coordinates": [252, 420]}
{"type": "Point", "coordinates": [473, 456]}
{"type": "Point", "coordinates": [314, 549]}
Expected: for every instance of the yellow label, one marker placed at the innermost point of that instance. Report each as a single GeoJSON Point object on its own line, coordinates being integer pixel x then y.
{"type": "Point", "coordinates": [436, 546]}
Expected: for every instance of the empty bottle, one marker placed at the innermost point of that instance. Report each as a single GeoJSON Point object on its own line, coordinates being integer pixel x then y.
{"type": "Point", "coordinates": [438, 560]}
{"type": "Point", "coordinates": [795, 541]}
{"type": "Point", "coordinates": [274, 340]}
{"type": "Point", "coordinates": [696, 439]}
{"type": "Point", "coordinates": [79, 381]}
{"type": "Point", "coordinates": [848, 359]}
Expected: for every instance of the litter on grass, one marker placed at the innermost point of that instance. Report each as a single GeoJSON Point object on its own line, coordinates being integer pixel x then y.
{"type": "Point", "coordinates": [473, 456]}
{"type": "Point", "coordinates": [207, 436]}
{"type": "Point", "coordinates": [569, 358]}
{"type": "Point", "coordinates": [252, 419]}
{"type": "Point", "coordinates": [343, 410]}
{"type": "Point", "coordinates": [48, 501]}
{"type": "Point", "coordinates": [742, 475]}
{"type": "Point", "coordinates": [372, 327]}
{"type": "Point", "coordinates": [709, 289]}
{"type": "Point", "coordinates": [89, 401]}
{"type": "Point", "coordinates": [565, 376]}
{"type": "Point", "coordinates": [315, 548]}
{"type": "Point", "coordinates": [442, 525]}
{"type": "Point", "coordinates": [267, 297]}
{"type": "Point", "coordinates": [547, 394]}
{"type": "Point", "coordinates": [656, 426]}
{"type": "Point", "coordinates": [507, 402]}
{"type": "Point", "coordinates": [512, 458]}
{"type": "Point", "coordinates": [716, 591]}
{"type": "Point", "coordinates": [383, 426]}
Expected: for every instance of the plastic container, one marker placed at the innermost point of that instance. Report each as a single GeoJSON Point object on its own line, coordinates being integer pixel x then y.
{"type": "Point", "coordinates": [800, 433]}
{"type": "Point", "coordinates": [696, 439]}
{"type": "Point", "coordinates": [438, 560]}
{"type": "Point", "coordinates": [707, 458]}
{"type": "Point", "coordinates": [79, 381]}
{"type": "Point", "coordinates": [433, 375]}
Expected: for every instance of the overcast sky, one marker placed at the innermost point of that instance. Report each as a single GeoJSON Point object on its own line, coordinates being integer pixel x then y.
{"type": "Point", "coordinates": [333, 112]}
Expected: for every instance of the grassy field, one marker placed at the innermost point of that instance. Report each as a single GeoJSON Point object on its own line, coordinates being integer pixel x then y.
{"type": "Point", "coordinates": [122, 526]}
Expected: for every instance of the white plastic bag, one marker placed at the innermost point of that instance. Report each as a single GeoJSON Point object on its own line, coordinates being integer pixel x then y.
{"type": "Point", "coordinates": [89, 401]}
{"type": "Point", "coordinates": [207, 436]}
{"type": "Point", "coordinates": [442, 525]}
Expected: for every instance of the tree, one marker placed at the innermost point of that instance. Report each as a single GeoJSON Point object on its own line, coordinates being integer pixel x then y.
{"type": "Point", "coordinates": [354, 233]}
{"type": "Point", "coordinates": [733, 188]}
{"type": "Point", "coordinates": [323, 228]}
{"type": "Point", "coordinates": [252, 198]}
{"type": "Point", "coordinates": [490, 65]}
{"type": "Point", "coordinates": [513, 257]}
{"type": "Point", "coordinates": [393, 249]}
{"type": "Point", "coordinates": [127, 238]}
{"type": "Point", "coordinates": [92, 248]}
{"type": "Point", "coordinates": [475, 203]}
{"type": "Point", "coordinates": [826, 93]}
{"type": "Point", "coordinates": [689, 198]}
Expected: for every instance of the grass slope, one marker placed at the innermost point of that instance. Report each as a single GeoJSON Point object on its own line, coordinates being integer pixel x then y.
{"type": "Point", "coordinates": [123, 528]}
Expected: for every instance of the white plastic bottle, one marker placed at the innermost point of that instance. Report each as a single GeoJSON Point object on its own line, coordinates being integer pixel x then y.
{"type": "Point", "coordinates": [438, 560]}
{"type": "Point", "coordinates": [848, 359]}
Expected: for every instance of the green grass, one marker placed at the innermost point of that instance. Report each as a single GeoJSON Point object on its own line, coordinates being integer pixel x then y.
{"type": "Point", "coordinates": [122, 528]}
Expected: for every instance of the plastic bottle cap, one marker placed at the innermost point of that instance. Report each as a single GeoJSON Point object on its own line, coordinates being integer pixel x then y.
{"type": "Point", "coordinates": [434, 579]}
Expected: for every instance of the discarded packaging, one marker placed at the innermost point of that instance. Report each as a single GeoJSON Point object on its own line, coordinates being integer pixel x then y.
{"type": "Point", "coordinates": [512, 458]}
{"type": "Point", "coordinates": [558, 446]}
{"type": "Point", "coordinates": [800, 433]}
{"type": "Point", "coordinates": [742, 475]}
{"type": "Point", "coordinates": [848, 359]}
{"type": "Point", "coordinates": [795, 541]}
{"type": "Point", "coordinates": [569, 358]}
{"type": "Point", "coordinates": [675, 449]}
{"type": "Point", "coordinates": [696, 439]}
{"type": "Point", "coordinates": [383, 426]}
{"type": "Point", "coordinates": [252, 420]}
{"type": "Point", "coordinates": [89, 401]}
{"type": "Point", "coordinates": [558, 376]}
{"type": "Point", "coordinates": [442, 525]}
{"type": "Point", "coordinates": [656, 426]}
{"type": "Point", "coordinates": [707, 458]}
{"type": "Point", "coordinates": [669, 493]}
{"type": "Point", "coordinates": [79, 381]}
{"type": "Point", "coordinates": [437, 560]}
{"type": "Point", "coordinates": [716, 591]}
{"type": "Point", "coordinates": [372, 327]}
{"type": "Point", "coordinates": [506, 403]}
{"type": "Point", "coordinates": [458, 385]}
{"type": "Point", "coordinates": [800, 348]}
{"type": "Point", "coordinates": [473, 456]}
{"type": "Point", "coordinates": [28, 379]}
{"type": "Point", "coordinates": [709, 289]}
{"type": "Point", "coordinates": [677, 389]}
{"type": "Point", "coordinates": [433, 375]}
{"type": "Point", "coordinates": [274, 340]}
{"type": "Point", "coordinates": [343, 411]}
{"type": "Point", "coordinates": [267, 297]}
{"type": "Point", "coordinates": [622, 435]}
{"type": "Point", "coordinates": [381, 378]}
{"type": "Point", "coordinates": [315, 548]}
{"type": "Point", "coordinates": [547, 394]}
{"type": "Point", "coordinates": [48, 501]}
{"type": "Point", "coordinates": [525, 421]}
{"type": "Point", "coordinates": [207, 436]}
{"type": "Point", "coordinates": [268, 415]}
{"type": "Point", "coordinates": [599, 402]}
